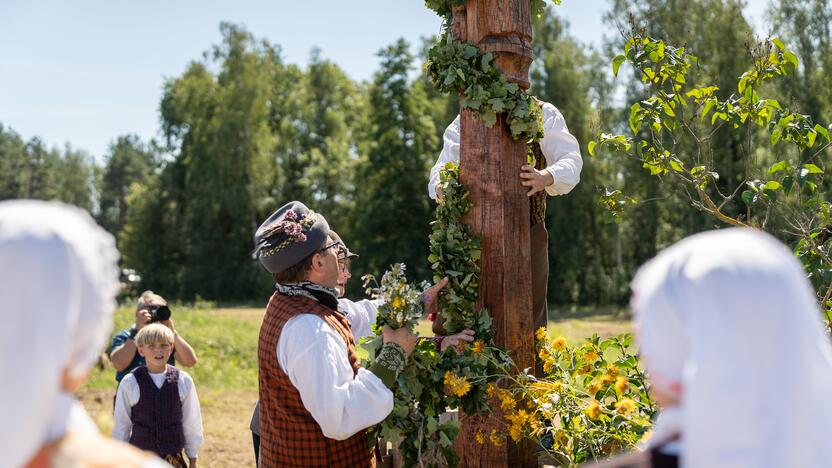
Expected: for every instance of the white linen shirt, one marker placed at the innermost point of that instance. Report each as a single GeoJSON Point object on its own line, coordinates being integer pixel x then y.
{"type": "Point", "coordinates": [561, 149]}
{"type": "Point", "coordinates": [314, 357]}
{"type": "Point", "coordinates": [128, 396]}
{"type": "Point", "coordinates": [361, 314]}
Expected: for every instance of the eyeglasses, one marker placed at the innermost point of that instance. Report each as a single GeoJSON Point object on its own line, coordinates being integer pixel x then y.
{"type": "Point", "coordinates": [327, 247]}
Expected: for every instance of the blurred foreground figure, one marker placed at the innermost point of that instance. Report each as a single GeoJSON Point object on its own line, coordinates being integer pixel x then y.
{"type": "Point", "coordinates": [731, 335]}
{"type": "Point", "coordinates": [58, 282]}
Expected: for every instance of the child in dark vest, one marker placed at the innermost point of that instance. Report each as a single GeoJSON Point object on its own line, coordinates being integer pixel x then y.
{"type": "Point", "coordinates": [157, 408]}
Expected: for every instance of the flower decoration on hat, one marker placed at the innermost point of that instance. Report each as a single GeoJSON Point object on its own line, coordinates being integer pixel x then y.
{"type": "Point", "coordinates": [293, 226]}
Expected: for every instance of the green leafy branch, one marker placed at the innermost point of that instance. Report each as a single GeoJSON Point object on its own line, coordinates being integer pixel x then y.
{"type": "Point", "coordinates": [678, 115]}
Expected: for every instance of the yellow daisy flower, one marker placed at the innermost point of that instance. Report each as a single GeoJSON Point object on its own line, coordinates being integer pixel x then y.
{"type": "Point", "coordinates": [622, 384]}
{"type": "Point", "coordinates": [593, 410]}
{"type": "Point", "coordinates": [625, 406]}
{"type": "Point", "coordinates": [480, 436]}
{"type": "Point", "coordinates": [478, 347]}
{"type": "Point", "coordinates": [457, 385]}
{"type": "Point", "coordinates": [593, 388]}
{"type": "Point", "coordinates": [495, 438]}
{"type": "Point", "coordinates": [540, 334]}
{"type": "Point", "coordinates": [559, 343]}
{"type": "Point", "coordinates": [490, 389]}
{"type": "Point", "coordinates": [397, 303]}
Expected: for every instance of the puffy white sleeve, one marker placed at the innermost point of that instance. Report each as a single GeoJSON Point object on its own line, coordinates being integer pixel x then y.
{"type": "Point", "coordinates": [314, 357]}
{"type": "Point", "coordinates": [450, 153]}
{"type": "Point", "coordinates": [361, 314]}
{"type": "Point", "coordinates": [127, 396]}
{"type": "Point", "coordinates": [563, 154]}
{"type": "Point", "coordinates": [191, 415]}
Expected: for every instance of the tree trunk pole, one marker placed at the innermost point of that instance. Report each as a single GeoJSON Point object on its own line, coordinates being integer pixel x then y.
{"type": "Point", "coordinates": [490, 161]}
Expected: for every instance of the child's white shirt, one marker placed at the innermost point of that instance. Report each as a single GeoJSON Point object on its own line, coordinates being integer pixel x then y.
{"type": "Point", "coordinates": [128, 395]}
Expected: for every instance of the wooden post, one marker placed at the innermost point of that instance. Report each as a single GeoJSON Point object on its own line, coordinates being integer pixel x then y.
{"type": "Point", "coordinates": [490, 161]}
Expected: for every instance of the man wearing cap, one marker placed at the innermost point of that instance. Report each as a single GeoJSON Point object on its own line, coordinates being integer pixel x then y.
{"type": "Point", "coordinates": [362, 315]}
{"type": "Point", "coordinates": [315, 399]}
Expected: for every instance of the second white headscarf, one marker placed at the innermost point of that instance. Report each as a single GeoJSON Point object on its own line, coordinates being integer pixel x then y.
{"type": "Point", "coordinates": [729, 319]}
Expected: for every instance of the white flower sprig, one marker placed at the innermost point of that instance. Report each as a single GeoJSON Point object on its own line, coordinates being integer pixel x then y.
{"type": "Point", "coordinates": [402, 305]}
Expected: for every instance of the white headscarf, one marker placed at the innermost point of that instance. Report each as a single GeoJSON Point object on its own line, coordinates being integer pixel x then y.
{"type": "Point", "coordinates": [58, 281]}
{"type": "Point", "coordinates": [729, 317]}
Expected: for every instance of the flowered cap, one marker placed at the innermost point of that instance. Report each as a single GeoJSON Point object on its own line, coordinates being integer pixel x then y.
{"type": "Point", "coordinates": [289, 235]}
{"type": "Point", "coordinates": [335, 237]}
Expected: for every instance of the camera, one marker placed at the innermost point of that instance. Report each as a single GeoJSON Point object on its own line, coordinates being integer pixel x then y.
{"type": "Point", "coordinates": [159, 314]}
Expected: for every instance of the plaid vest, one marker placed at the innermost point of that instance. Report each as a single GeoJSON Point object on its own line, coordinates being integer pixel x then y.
{"type": "Point", "coordinates": [289, 436]}
{"type": "Point", "coordinates": [157, 416]}
{"type": "Point", "coordinates": [537, 202]}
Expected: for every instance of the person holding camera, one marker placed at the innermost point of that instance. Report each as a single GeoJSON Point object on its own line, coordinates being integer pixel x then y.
{"type": "Point", "coordinates": [150, 308]}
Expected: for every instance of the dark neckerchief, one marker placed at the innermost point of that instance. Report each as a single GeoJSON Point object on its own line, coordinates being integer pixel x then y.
{"type": "Point", "coordinates": [316, 292]}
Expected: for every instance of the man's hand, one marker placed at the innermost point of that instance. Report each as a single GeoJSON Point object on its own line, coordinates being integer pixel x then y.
{"type": "Point", "coordinates": [401, 336]}
{"type": "Point", "coordinates": [465, 336]}
{"type": "Point", "coordinates": [536, 180]}
{"type": "Point", "coordinates": [143, 317]}
{"type": "Point", "coordinates": [192, 463]}
{"type": "Point", "coordinates": [430, 298]}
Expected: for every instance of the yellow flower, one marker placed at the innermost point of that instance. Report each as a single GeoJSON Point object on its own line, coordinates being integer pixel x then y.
{"type": "Point", "coordinates": [478, 347]}
{"type": "Point", "coordinates": [490, 389]}
{"type": "Point", "coordinates": [591, 356]}
{"type": "Point", "coordinates": [625, 406]}
{"type": "Point", "coordinates": [585, 370]}
{"type": "Point", "coordinates": [397, 303]}
{"type": "Point", "coordinates": [480, 437]}
{"type": "Point", "coordinates": [518, 418]}
{"type": "Point", "coordinates": [559, 343]}
{"type": "Point", "coordinates": [495, 438]}
{"type": "Point", "coordinates": [535, 425]}
{"type": "Point", "coordinates": [516, 432]}
{"type": "Point", "coordinates": [612, 370]}
{"type": "Point", "coordinates": [457, 385]}
{"type": "Point", "coordinates": [540, 334]}
{"type": "Point", "coordinates": [548, 366]}
{"type": "Point", "coordinates": [622, 384]}
{"type": "Point", "coordinates": [507, 401]}
{"type": "Point", "coordinates": [593, 410]}
{"type": "Point", "coordinates": [593, 388]}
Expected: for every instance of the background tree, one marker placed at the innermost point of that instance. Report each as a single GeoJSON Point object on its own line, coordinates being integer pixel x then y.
{"type": "Point", "coordinates": [128, 161]}
{"type": "Point", "coordinates": [398, 146]}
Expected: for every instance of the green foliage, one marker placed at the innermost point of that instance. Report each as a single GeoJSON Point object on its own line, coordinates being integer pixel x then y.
{"type": "Point", "coordinates": [434, 382]}
{"type": "Point", "coordinates": [592, 403]}
{"type": "Point", "coordinates": [789, 188]}
{"type": "Point", "coordinates": [457, 67]}
{"type": "Point", "coordinates": [129, 161]}
{"type": "Point", "coordinates": [455, 254]}
{"type": "Point", "coordinates": [30, 170]}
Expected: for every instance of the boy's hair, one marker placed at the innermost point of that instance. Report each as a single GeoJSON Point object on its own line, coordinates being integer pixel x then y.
{"type": "Point", "coordinates": [149, 297]}
{"type": "Point", "coordinates": [154, 333]}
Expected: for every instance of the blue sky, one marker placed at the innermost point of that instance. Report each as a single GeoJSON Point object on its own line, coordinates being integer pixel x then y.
{"type": "Point", "coordinates": [86, 71]}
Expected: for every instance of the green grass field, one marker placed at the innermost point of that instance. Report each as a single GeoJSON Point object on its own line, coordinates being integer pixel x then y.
{"type": "Point", "coordinates": [225, 340]}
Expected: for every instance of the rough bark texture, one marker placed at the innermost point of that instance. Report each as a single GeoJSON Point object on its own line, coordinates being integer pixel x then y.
{"type": "Point", "coordinates": [490, 161]}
